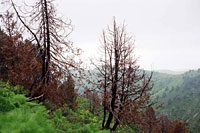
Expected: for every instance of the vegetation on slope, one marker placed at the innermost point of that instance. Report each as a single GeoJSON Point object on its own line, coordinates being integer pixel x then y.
{"type": "Point", "coordinates": [179, 96]}
{"type": "Point", "coordinates": [17, 115]}
{"type": "Point", "coordinates": [43, 69]}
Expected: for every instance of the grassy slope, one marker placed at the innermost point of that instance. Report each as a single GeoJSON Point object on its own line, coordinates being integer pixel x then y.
{"type": "Point", "coordinates": [19, 116]}
{"type": "Point", "coordinates": [179, 95]}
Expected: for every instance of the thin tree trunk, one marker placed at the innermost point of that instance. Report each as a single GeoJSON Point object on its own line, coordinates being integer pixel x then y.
{"type": "Point", "coordinates": [109, 120]}
{"type": "Point", "coordinates": [105, 85]}
{"type": "Point", "coordinates": [116, 70]}
{"type": "Point", "coordinates": [115, 125]}
{"type": "Point", "coordinates": [48, 43]}
{"type": "Point", "coordinates": [104, 117]}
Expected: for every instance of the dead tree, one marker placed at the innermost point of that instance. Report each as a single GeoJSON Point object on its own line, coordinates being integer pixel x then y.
{"type": "Point", "coordinates": [125, 86]}
{"type": "Point", "coordinates": [49, 33]}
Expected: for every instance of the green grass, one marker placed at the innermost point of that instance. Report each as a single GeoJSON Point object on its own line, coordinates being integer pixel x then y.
{"type": "Point", "coordinates": [79, 121]}
{"type": "Point", "coordinates": [19, 116]}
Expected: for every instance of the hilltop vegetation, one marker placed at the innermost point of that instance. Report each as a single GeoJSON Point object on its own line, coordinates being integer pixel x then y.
{"type": "Point", "coordinates": [179, 97]}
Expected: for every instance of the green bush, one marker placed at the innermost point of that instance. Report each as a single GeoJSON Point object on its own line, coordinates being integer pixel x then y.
{"type": "Point", "coordinates": [5, 105]}
{"type": "Point", "coordinates": [5, 100]}
{"type": "Point", "coordinates": [9, 97]}
{"type": "Point", "coordinates": [19, 116]}
{"type": "Point", "coordinates": [26, 120]}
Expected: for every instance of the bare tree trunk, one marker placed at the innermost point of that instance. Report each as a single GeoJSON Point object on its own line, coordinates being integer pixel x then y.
{"type": "Point", "coordinates": [53, 63]}
{"type": "Point", "coordinates": [116, 70]}
{"type": "Point", "coordinates": [109, 120]}
{"type": "Point", "coordinates": [104, 116]}
{"type": "Point", "coordinates": [115, 125]}
{"type": "Point", "coordinates": [105, 84]}
{"type": "Point", "coordinates": [46, 60]}
{"type": "Point", "coordinates": [125, 86]}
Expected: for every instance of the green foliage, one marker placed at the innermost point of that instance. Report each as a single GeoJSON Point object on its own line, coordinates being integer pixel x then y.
{"type": "Point", "coordinates": [19, 116]}
{"type": "Point", "coordinates": [26, 119]}
{"type": "Point", "coordinates": [8, 99]}
{"type": "Point", "coordinates": [179, 96]}
{"type": "Point", "coordinates": [70, 94]}
{"type": "Point", "coordinates": [79, 121]}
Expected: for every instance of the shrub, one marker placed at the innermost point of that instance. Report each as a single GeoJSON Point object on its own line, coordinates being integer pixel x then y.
{"type": "Point", "coordinates": [19, 116]}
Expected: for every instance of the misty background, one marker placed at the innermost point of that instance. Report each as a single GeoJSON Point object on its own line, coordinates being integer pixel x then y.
{"type": "Point", "coordinates": [166, 32]}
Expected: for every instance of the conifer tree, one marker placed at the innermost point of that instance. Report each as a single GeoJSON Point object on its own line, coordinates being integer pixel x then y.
{"type": "Point", "coordinates": [125, 86]}
{"type": "Point", "coordinates": [48, 33]}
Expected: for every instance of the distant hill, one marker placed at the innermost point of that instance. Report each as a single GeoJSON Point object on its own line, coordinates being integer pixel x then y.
{"type": "Point", "coordinates": [179, 95]}
{"type": "Point", "coordinates": [177, 92]}
{"type": "Point", "coordinates": [170, 71]}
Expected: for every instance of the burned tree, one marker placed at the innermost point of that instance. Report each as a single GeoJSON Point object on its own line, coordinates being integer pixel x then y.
{"type": "Point", "coordinates": [17, 55]}
{"type": "Point", "coordinates": [56, 54]}
{"type": "Point", "coordinates": [125, 86]}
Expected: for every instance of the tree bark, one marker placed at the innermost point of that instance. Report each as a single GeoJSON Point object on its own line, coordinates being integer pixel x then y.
{"type": "Point", "coordinates": [48, 44]}
{"type": "Point", "coordinates": [109, 120]}
{"type": "Point", "coordinates": [105, 84]}
{"type": "Point", "coordinates": [115, 125]}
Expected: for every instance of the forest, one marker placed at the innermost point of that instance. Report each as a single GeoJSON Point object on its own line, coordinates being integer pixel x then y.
{"type": "Point", "coordinates": [45, 86]}
{"type": "Point", "coordinates": [179, 96]}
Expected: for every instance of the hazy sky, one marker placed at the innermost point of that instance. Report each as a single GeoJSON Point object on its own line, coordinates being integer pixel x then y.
{"type": "Point", "coordinates": [167, 32]}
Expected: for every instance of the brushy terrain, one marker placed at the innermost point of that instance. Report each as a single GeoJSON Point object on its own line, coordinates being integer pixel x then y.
{"type": "Point", "coordinates": [17, 115]}
{"type": "Point", "coordinates": [179, 96]}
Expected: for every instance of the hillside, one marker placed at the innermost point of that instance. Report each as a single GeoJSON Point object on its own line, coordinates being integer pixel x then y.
{"type": "Point", "coordinates": [165, 71]}
{"type": "Point", "coordinates": [17, 115]}
{"type": "Point", "coordinates": [179, 96]}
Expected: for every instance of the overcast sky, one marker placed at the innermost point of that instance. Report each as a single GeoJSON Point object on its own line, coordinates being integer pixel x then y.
{"type": "Point", "coordinates": [167, 32]}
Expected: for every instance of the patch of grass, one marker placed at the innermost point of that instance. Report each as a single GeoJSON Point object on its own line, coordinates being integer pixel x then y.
{"type": "Point", "coordinates": [19, 116]}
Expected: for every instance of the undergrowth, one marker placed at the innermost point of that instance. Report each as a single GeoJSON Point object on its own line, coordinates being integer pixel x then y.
{"type": "Point", "coordinates": [19, 116]}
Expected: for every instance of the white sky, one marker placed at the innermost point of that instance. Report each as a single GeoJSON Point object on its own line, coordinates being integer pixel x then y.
{"type": "Point", "coordinates": [167, 32]}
